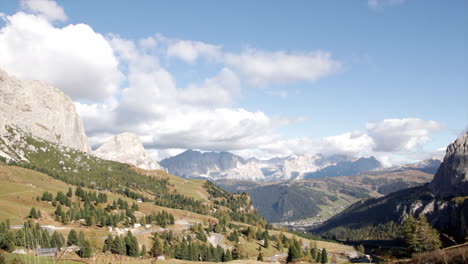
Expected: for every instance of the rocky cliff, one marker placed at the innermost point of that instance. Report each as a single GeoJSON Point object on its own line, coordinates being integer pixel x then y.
{"type": "Point", "coordinates": [42, 110]}
{"type": "Point", "coordinates": [451, 177]}
{"type": "Point", "coordinates": [127, 148]}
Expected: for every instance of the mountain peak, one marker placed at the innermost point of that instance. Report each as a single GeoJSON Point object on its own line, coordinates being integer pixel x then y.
{"type": "Point", "coordinates": [41, 110]}
{"type": "Point", "coordinates": [126, 148]}
{"type": "Point", "coordinates": [451, 177]}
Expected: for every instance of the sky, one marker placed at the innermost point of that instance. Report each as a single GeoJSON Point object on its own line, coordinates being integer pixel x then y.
{"type": "Point", "coordinates": [387, 78]}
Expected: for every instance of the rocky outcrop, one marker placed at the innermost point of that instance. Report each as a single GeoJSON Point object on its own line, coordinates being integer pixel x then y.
{"type": "Point", "coordinates": [41, 110]}
{"type": "Point", "coordinates": [451, 177]}
{"type": "Point", "coordinates": [127, 148]}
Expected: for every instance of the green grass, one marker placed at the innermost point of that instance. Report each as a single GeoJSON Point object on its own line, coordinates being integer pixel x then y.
{"type": "Point", "coordinates": [26, 259]}
{"type": "Point", "coordinates": [18, 189]}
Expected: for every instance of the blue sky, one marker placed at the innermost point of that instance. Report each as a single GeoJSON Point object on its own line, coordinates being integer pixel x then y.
{"type": "Point", "coordinates": [351, 65]}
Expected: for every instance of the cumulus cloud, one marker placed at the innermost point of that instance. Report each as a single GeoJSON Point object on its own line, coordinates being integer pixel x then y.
{"type": "Point", "coordinates": [46, 8]}
{"type": "Point", "coordinates": [401, 134]}
{"type": "Point", "coordinates": [74, 58]}
{"type": "Point", "coordinates": [190, 51]}
{"type": "Point", "coordinates": [262, 67]}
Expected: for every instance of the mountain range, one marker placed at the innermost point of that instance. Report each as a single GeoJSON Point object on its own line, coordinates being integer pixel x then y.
{"type": "Point", "coordinates": [225, 165]}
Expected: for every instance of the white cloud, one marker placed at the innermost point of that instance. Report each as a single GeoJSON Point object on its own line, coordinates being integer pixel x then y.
{"type": "Point", "coordinates": [258, 67]}
{"type": "Point", "coordinates": [378, 4]}
{"type": "Point", "coordinates": [73, 58]}
{"type": "Point", "coordinates": [160, 154]}
{"type": "Point", "coordinates": [354, 143]}
{"type": "Point", "coordinates": [46, 8]}
{"type": "Point", "coordinates": [190, 51]}
{"type": "Point", "coordinates": [262, 68]}
{"type": "Point", "coordinates": [392, 135]}
{"type": "Point", "coordinates": [217, 91]}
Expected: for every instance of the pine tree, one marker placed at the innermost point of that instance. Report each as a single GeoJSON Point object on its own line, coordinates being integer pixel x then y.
{"type": "Point", "coordinates": [227, 256]}
{"type": "Point", "coordinates": [143, 251]}
{"type": "Point", "coordinates": [420, 236]}
{"type": "Point", "coordinates": [324, 258]}
{"type": "Point", "coordinates": [118, 246]}
{"type": "Point", "coordinates": [260, 257]}
{"type": "Point", "coordinates": [313, 253]}
{"type": "Point", "coordinates": [72, 238]}
{"type": "Point", "coordinates": [156, 248]}
{"type": "Point", "coordinates": [70, 192]}
{"type": "Point", "coordinates": [33, 213]}
{"type": "Point", "coordinates": [294, 252]}
{"type": "Point", "coordinates": [279, 244]}
{"type": "Point", "coordinates": [86, 250]}
{"type": "Point", "coordinates": [108, 244]}
{"type": "Point", "coordinates": [81, 239]}
{"type": "Point", "coordinates": [319, 257]}
{"type": "Point", "coordinates": [131, 245]}
{"type": "Point", "coordinates": [266, 244]}
{"type": "Point", "coordinates": [57, 240]}
{"type": "Point", "coordinates": [58, 211]}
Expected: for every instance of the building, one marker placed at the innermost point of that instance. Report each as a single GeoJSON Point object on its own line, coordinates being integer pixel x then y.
{"type": "Point", "coordinates": [47, 252]}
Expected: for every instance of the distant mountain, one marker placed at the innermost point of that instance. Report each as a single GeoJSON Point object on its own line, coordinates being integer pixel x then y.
{"type": "Point", "coordinates": [346, 168]}
{"type": "Point", "coordinates": [42, 110]}
{"type": "Point", "coordinates": [429, 166]}
{"type": "Point", "coordinates": [127, 148]}
{"type": "Point", "coordinates": [195, 164]}
{"type": "Point", "coordinates": [321, 198]}
{"type": "Point", "coordinates": [444, 201]}
{"type": "Point", "coordinates": [225, 165]}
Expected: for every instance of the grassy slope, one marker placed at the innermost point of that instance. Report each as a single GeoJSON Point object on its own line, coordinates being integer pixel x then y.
{"type": "Point", "coordinates": [189, 188]}
{"type": "Point", "coordinates": [20, 186]}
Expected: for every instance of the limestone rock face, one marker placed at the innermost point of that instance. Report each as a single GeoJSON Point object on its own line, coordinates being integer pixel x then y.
{"type": "Point", "coordinates": [42, 110]}
{"type": "Point", "coordinates": [451, 177]}
{"type": "Point", "coordinates": [127, 148]}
